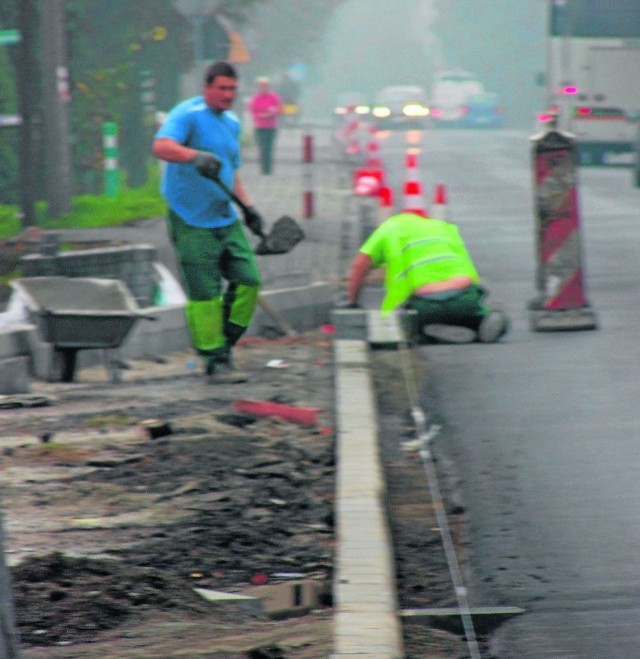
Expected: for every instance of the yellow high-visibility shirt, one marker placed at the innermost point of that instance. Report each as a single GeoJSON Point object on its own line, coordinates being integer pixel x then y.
{"type": "Point", "coordinates": [415, 251]}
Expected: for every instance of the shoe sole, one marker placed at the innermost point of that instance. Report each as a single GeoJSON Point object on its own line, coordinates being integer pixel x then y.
{"type": "Point", "coordinates": [449, 333]}
{"type": "Point", "coordinates": [493, 327]}
{"type": "Point", "coordinates": [227, 378]}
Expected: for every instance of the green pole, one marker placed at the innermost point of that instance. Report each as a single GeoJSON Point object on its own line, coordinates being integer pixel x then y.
{"type": "Point", "coordinates": [110, 149]}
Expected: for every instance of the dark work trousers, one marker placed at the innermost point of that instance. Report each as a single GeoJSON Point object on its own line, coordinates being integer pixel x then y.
{"type": "Point", "coordinates": [266, 137]}
{"type": "Point", "coordinates": [465, 308]}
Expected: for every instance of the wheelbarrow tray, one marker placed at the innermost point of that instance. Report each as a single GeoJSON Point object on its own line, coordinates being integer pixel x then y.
{"type": "Point", "coordinates": [80, 313]}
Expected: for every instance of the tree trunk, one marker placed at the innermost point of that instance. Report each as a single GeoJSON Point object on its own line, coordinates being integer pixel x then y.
{"type": "Point", "coordinates": [27, 95]}
{"type": "Point", "coordinates": [55, 98]}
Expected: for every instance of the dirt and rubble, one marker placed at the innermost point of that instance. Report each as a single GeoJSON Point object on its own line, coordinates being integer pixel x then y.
{"type": "Point", "coordinates": [124, 503]}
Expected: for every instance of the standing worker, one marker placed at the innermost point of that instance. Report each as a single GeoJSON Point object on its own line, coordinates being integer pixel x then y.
{"type": "Point", "coordinates": [199, 139]}
{"type": "Point", "coordinates": [428, 269]}
{"type": "Point", "coordinates": [265, 106]}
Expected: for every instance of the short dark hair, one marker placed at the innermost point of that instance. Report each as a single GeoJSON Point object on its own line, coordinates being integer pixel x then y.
{"type": "Point", "coordinates": [220, 68]}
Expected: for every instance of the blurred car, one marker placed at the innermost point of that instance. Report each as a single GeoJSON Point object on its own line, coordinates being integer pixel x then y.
{"type": "Point", "coordinates": [400, 106]}
{"type": "Point", "coordinates": [350, 103]}
{"type": "Point", "coordinates": [450, 94]}
{"type": "Point", "coordinates": [483, 111]}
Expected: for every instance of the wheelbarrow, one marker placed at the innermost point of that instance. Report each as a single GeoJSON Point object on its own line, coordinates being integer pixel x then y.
{"type": "Point", "coordinates": [75, 313]}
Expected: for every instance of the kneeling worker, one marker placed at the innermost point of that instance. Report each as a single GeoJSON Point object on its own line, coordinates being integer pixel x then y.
{"type": "Point", "coordinates": [428, 269]}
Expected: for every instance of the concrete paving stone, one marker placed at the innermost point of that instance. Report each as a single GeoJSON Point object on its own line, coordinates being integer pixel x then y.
{"type": "Point", "coordinates": [357, 428]}
{"type": "Point", "coordinates": [371, 488]}
{"type": "Point", "coordinates": [365, 465]}
{"type": "Point", "coordinates": [367, 576]}
{"type": "Point", "coordinates": [369, 533]}
{"type": "Point", "coordinates": [14, 375]}
{"type": "Point", "coordinates": [369, 635]}
{"type": "Point", "coordinates": [377, 624]}
{"type": "Point", "coordinates": [14, 340]}
{"type": "Point", "coordinates": [351, 352]}
{"type": "Point", "coordinates": [375, 555]}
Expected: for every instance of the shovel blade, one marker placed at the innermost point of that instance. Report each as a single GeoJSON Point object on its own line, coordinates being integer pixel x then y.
{"type": "Point", "coordinates": [285, 234]}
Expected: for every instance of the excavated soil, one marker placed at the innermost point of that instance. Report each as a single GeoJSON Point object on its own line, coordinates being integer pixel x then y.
{"type": "Point", "coordinates": [124, 501]}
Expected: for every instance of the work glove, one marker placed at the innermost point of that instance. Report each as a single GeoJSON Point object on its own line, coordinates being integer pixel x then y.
{"type": "Point", "coordinates": [207, 164]}
{"type": "Point", "coordinates": [254, 221]}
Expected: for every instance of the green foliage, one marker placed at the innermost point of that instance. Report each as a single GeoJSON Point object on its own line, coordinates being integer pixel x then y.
{"type": "Point", "coordinates": [9, 221]}
{"type": "Point", "coordinates": [111, 42]}
{"type": "Point", "coordinates": [94, 211]}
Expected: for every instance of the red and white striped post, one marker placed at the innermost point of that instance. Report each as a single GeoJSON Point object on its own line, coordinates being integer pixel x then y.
{"type": "Point", "coordinates": [307, 177]}
{"type": "Point", "coordinates": [562, 302]}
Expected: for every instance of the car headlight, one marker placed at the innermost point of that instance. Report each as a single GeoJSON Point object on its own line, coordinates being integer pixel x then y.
{"type": "Point", "coordinates": [362, 109]}
{"type": "Point", "coordinates": [381, 112]}
{"type": "Point", "coordinates": [415, 110]}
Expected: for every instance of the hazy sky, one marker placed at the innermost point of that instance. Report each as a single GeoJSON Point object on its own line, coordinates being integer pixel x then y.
{"type": "Point", "coordinates": [374, 43]}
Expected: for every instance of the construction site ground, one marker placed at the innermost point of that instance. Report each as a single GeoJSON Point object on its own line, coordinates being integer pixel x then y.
{"type": "Point", "coordinates": [121, 499]}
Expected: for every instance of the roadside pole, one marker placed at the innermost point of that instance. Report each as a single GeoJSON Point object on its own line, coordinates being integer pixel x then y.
{"type": "Point", "coordinates": [110, 148]}
{"type": "Point", "coordinates": [26, 82]}
{"type": "Point", "coordinates": [635, 117]}
{"type": "Point", "coordinates": [54, 119]}
{"type": "Point", "coordinates": [9, 642]}
{"type": "Point", "coordinates": [308, 209]}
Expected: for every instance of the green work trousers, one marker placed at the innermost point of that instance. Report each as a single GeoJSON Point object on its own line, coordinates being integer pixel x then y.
{"type": "Point", "coordinates": [464, 308]}
{"type": "Point", "coordinates": [266, 137]}
{"type": "Point", "coordinates": [222, 283]}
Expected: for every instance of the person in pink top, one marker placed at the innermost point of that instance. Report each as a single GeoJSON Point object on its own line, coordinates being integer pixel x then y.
{"type": "Point", "coordinates": [265, 106]}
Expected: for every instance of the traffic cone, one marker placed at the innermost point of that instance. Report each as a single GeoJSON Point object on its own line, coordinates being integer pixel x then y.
{"type": "Point", "coordinates": [414, 201]}
{"type": "Point", "coordinates": [440, 210]}
{"type": "Point", "coordinates": [354, 150]}
{"type": "Point", "coordinates": [373, 150]}
{"type": "Point", "coordinates": [386, 196]}
{"type": "Point", "coordinates": [366, 186]}
{"type": "Point", "coordinates": [411, 166]}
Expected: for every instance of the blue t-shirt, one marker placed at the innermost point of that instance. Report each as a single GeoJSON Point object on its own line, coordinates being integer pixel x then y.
{"type": "Point", "coordinates": [197, 200]}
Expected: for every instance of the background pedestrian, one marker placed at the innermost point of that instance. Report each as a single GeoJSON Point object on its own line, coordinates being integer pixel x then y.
{"type": "Point", "coordinates": [265, 107]}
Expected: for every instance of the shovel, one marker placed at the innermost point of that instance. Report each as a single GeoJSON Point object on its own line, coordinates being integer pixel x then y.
{"type": "Point", "coordinates": [285, 233]}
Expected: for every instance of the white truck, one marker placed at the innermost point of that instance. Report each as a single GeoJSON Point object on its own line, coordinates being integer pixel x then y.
{"type": "Point", "coordinates": [593, 76]}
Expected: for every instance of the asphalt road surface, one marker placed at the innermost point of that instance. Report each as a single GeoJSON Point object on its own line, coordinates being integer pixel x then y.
{"type": "Point", "coordinates": [543, 427]}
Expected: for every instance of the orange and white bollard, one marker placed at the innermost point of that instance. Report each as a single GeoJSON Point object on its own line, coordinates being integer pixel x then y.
{"type": "Point", "coordinates": [414, 201]}
{"type": "Point", "coordinates": [373, 150]}
{"type": "Point", "coordinates": [353, 149]}
{"type": "Point", "coordinates": [440, 209]}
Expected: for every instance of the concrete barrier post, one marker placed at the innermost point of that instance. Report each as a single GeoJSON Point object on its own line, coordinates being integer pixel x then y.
{"type": "Point", "coordinates": [562, 303]}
